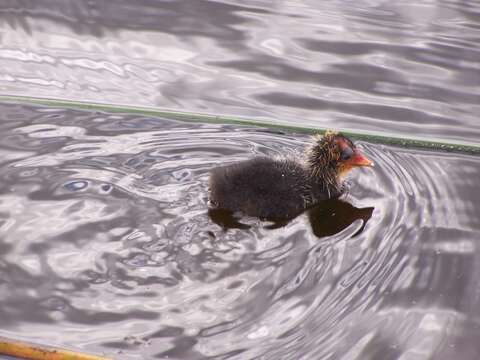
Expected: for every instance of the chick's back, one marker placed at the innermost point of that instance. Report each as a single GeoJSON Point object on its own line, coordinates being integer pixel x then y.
{"type": "Point", "coordinates": [261, 187]}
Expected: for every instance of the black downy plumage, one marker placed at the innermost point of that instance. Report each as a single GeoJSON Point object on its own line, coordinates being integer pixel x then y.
{"type": "Point", "coordinates": [283, 188]}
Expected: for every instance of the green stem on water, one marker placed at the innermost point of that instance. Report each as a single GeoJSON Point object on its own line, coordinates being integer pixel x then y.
{"type": "Point", "coordinates": [415, 142]}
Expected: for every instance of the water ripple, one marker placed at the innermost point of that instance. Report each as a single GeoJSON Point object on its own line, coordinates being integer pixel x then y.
{"type": "Point", "coordinates": [105, 233]}
{"type": "Point", "coordinates": [371, 65]}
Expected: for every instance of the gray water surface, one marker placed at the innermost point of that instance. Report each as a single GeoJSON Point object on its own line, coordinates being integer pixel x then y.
{"type": "Point", "coordinates": [107, 247]}
{"type": "Point", "coordinates": [397, 67]}
{"type": "Point", "coordinates": [106, 242]}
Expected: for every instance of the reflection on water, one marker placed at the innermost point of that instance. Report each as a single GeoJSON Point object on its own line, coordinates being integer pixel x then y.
{"type": "Point", "coordinates": [107, 245]}
{"type": "Point", "coordinates": [396, 67]}
{"type": "Point", "coordinates": [326, 219]}
{"type": "Point", "coordinates": [333, 216]}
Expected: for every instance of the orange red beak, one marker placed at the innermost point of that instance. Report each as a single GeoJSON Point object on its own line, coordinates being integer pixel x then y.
{"type": "Point", "coordinates": [358, 159]}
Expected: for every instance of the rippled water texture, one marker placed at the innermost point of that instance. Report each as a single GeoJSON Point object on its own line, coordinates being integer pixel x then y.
{"type": "Point", "coordinates": [107, 246]}
{"type": "Point", "coordinates": [400, 67]}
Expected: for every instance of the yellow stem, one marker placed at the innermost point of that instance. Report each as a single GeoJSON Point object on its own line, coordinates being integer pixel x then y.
{"type": "Point", "coordinates": [29, 351]}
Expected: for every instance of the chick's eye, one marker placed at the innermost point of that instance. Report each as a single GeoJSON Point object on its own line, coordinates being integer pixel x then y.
{"type": "Point", "coordinates": [346, 153]}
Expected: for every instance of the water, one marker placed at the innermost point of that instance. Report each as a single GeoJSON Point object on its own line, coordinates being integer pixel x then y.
{"type": "Point", "coordinates": [397, 67]}
{"type": "Point", "coordinates": [106, 244]}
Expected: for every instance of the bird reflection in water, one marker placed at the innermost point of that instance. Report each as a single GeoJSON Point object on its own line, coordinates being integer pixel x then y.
{"type": "Point", "coordinates": [327, 218]}
{"type": "Point", "coordinates": [332, 216]}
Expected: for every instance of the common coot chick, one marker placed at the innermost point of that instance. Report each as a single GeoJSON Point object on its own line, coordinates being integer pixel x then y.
{"type": "Point", "coordinates": [282, 188]}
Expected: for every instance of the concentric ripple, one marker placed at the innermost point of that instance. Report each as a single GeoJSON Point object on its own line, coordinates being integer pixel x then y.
{"type": "Point", "coordinates": [107, 245]}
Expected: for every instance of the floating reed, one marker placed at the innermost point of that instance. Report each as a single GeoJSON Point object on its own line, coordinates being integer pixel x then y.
{"type": "Point", "coordinates": [375, 137]}
{"type": "Point", "coordinates": [28, 351]}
